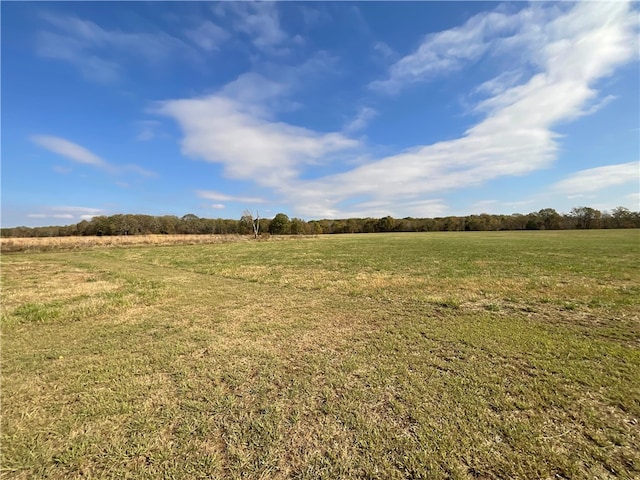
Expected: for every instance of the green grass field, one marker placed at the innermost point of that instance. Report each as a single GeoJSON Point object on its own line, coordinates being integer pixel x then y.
{"type": "Point", "coordinates": [446, 355]}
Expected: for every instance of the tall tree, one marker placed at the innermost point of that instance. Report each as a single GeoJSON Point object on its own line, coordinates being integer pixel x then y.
{"type": "Point", "coordinates": [622, 218]}
{"type": "Point", "coordinates": [549, 219]}
{"type": "Point", "coordinates": [280, 225]}
{"type": "Point", "coordinates": [585, 217]}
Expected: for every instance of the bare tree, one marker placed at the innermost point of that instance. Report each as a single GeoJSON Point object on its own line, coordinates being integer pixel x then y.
{"type": "Point", "coordinates": [247, 215]}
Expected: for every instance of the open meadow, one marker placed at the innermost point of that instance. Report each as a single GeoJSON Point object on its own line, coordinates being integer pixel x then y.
{"type": "Point", "coordinates": [484, 355]}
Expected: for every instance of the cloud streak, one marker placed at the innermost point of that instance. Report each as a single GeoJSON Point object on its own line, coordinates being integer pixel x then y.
{"type": "Point", "coordinates": [362, 119]}
{"type": "Point", "coordinates": [222, 197]}
{"type": "Point", "coordinates": [67, 213]}
{"type": "Point", "coordinates": [208, 36]}
{"type": "Point", "coordinates": [599, 178]}
{"type": "Point", "coordinates": [70, 150]}
{"type": "Point", "coordinates": [99, 53]}
{"type": "Point", "coordinates": [81, 155]}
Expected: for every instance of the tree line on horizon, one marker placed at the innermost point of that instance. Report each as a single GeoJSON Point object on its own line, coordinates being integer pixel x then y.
{"type": "Point", "coordinates": [281, 224]}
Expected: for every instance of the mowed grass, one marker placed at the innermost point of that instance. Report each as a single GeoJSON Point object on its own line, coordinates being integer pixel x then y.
{"type": "Point", "coordinates": [444, 355]}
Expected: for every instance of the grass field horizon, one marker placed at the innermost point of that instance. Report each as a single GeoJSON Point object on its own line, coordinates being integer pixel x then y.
{"type": "Point", "coordinates": [415, 355]}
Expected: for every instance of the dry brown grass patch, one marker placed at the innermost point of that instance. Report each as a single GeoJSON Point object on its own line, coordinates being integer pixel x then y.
{"type": "Point", "coordinates": [8, 245]}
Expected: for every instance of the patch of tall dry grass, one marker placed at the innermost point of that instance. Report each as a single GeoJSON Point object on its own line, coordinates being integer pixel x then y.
{"type": "Point", "coordinates": [45, 244]}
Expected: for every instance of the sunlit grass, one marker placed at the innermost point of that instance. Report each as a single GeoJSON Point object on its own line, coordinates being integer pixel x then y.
{"type": "Point", "coordinates": [480, 355]}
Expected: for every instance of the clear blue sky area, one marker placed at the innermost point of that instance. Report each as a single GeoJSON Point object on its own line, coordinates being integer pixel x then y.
{"type": "Point", "coordinates": [317, 109]}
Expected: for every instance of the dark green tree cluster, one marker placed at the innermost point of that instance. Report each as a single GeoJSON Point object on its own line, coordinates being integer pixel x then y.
{"type": "Point", "coordinates": [281, 224]}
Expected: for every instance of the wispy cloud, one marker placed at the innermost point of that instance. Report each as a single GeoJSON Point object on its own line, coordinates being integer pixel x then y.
{"type": "Point", "coordinates": [635, 197]}
{"type": "Point", "coordinates": [90, 65]}
{"type": "Point", "coordinates": [497, 207]}
{"type": "Point", "coordinates": [50, 215]}
{"type": "Point", "coordinates": [500, 83]}
{"type": "Point", "coordinates": [66, 213]}
{"type": "Point", "coordinates": [314, 14]}
{"type": "Point", "coordinates": [362, 119]}
{"type": "Point", "coordinates": [381, 208]}
{"type": "Point", "coordinates": [79, 154]}
{"type": "Point", "coordinates": [70, 150]}
{"type": "Point", "coordinates": [260, 21]}
{"type": "Point", "coordinates": [222, 197]}
{"type": "Point", "coordinates": [449, 51]}
{"type": "Point", "coordinates": [62, 170]}
{"type": "Point", "coordinates": [100, 53]}
{"type": "Point", "coordinates": [383, 51]}
{"type": "Point", "coordinates": [599, 178]}
{"type": "Point", "coordinates": [208, 36]}
{"type": "Point", "coordinates": [147, 129]}
{"type": "Point", "coordinates": [133, 168]}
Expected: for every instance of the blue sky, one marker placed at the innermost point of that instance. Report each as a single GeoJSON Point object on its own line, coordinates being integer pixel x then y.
{"type": "Point", "coordinates": [317, 110]}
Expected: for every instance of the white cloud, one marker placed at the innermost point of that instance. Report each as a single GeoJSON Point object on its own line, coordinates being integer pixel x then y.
{"type": "Point", "coordinates": [67, 213]}
{"type": "Point", "coordinates": [217, 206]}
{"type": "Point", "coordinates": [211, 195]}
{"type": "Point", "coordinates": [69, 150]}
{"type": "Point", "coordinates": [79, 154]}
{"type": "Point", "coordinates": [448, 51]}
{"type": "Point", "coordinates": [254, 94]}
{"type": "Point", "coordinates": [77, 210]}
{"type": "Point", "coordinates": [539, 34]}
{"type": "Point", "coordinates": [234, 127]}
{"type": "Point", "coordinates": [594, 179]}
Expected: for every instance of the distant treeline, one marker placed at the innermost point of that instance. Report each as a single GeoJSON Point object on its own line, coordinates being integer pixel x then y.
{"type": "Point", "coordinates": [281, 224]}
